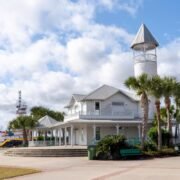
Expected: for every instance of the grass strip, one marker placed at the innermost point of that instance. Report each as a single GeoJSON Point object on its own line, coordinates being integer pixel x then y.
{"type": "Point", "coordinates": [10, 172]}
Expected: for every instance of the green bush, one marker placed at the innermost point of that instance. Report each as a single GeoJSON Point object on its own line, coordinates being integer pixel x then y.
{"type": "Point", "coordinates": [153, 135]}
{"type": "Point", "coordinates": [40, 138]}
{"type": "Point", "coordinates": [150, 146]}
{"type": "Point", "coordinates": [109, 147]}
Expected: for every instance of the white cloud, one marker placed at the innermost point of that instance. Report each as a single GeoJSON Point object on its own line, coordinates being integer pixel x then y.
{"type": "Point", "coordinates": [169, 59]}
{"type": "Point", "coordinates": [51, 49]}
{"type": "Point", "coordinates": [129, 6]}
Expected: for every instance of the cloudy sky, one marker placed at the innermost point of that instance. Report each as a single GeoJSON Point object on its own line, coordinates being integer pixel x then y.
{"type": "Point", "coordinates": [50, 49]}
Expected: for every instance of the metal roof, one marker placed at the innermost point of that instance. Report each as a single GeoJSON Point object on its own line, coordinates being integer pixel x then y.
{"type": "Point", "coordinates": [101, 93]}
{"type": "Point", "coordinates": [46, 121]}
{"type": "Point", "coordinates": [78, 97]}
{"type": "Point", "coordinates": [107, 91]}
{"type": "Point", "coordinates": [144, 40]}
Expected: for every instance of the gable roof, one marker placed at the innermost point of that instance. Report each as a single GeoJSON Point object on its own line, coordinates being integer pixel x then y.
{"type": "Point", "coordinates": [101, 93]}
{"type": "Point", "coordinates": [107, 91]}
{"type": "Point", "coordinates": [78, 97]}
{"type": "Point", "coordinates": [144, 36]}
{"type": "Point", "coordinates": [75, 97]}
{"type": "Point", "coordinates": [46, 121]}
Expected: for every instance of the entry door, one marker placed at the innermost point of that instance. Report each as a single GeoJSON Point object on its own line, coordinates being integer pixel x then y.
{"type": "Point", "coordinates": [77, 137]}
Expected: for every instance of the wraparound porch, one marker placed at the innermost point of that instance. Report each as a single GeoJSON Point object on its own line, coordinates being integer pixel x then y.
{"type": "Point", "coordinates": [82, 133]}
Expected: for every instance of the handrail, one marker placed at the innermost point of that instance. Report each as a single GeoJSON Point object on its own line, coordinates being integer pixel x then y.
{"type": "Point", "coordinates": [145, 57]}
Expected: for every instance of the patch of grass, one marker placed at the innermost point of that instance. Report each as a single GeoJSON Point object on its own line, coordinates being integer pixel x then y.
{"type": "Point", "coordinates": [9, 172]}
{"type": "Point", "coordinates": [165, 152]}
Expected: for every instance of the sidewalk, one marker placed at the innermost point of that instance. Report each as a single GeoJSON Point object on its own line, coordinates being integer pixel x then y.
{"type": "Point", "coordinates": [82, 169]}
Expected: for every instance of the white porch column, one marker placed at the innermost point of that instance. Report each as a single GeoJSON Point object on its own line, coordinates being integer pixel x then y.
{"type": "Point", "coordinates": [94, 132]}
{"type": "Point", "coordinates": [59, 136]}
{"type": "Point", "coordinates": [44, 136]}
{"type": "Point", "coordinates": [36, 134]}
{"type": "Point", "coordinates": [55, 138]}
{"type": "Point", "coordinates": [65, 133]}
{"type": "Point", "coordinates": [117, 129]}
{"type": "Point", "coordinates": [51, 139]}
{"type": "Point", "coordinates": [72, 128]}
{"type": "Point", "coordinates": [139, 131]}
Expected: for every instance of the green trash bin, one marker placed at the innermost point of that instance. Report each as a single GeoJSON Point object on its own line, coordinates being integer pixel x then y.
{"type": "Point", "coordinates": [91, 152]}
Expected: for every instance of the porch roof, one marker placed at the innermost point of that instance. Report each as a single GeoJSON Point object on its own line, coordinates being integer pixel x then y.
{"type": "Point", "coordinates": [46, 122]}
{"type": "Point", "coordinates": [85, 121]}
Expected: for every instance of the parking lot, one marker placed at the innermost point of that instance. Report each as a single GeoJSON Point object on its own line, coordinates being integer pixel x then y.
{"type": "Point", "coordinates": [81, 168]}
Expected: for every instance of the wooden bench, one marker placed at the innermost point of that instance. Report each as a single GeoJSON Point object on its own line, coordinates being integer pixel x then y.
{"type": "Point", "coordinates": [130, 152]}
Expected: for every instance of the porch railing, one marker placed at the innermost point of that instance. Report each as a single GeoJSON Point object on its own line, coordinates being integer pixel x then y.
{"type": "Point", "coordinates": [101, 115]}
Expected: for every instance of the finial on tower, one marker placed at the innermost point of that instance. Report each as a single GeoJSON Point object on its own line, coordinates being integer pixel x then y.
{"type": "Point", "coordinates": [144, 40]}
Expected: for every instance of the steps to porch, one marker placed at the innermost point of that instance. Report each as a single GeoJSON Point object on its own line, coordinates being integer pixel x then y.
{"type": "Point", "coordinates": [48, 152]}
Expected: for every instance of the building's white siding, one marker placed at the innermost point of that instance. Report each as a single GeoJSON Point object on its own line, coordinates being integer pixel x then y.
{"type": "Point", "coordinates": [129, 132]}
{"type": "Point", "coordinates": [106, 105]}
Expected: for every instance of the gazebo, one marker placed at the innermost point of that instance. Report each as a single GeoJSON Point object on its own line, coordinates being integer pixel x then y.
{"type": "Point", "coordinates": [43, 134]}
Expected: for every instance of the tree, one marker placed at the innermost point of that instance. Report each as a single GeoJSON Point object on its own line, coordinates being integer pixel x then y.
{"type": "Point", "coordinates": [38, 112]}
{"type": "Point", "coordinates": [156, 90]}
{"type": "Point", "coordinates": [25, 123]}
{"type": "Point", "coordinates": [168, 89]}
{"type": "Point", "coordinates": [176, 95]}
{"type": "Point", "coordinates": [141, 86]}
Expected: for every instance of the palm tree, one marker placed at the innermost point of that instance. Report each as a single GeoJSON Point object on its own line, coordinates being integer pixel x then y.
{"type": "Point", "coordinates": [141, 86]}
{"type": "Point", "coordinates": [176, 94]}
{"type": "Point", "coordinates": [156, 90]}
{"type": "Point", "coordinates": [24, 123]}
{"type": "Point", "coordinates": [168, 89]}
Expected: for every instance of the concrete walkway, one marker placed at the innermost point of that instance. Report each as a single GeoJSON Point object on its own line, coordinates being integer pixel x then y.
{"type": "Point", "coordinates": [82, 169]}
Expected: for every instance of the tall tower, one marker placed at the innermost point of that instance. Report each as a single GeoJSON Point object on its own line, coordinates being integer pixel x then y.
{"type": "Point", "coordinates": [21, 106]}
{"type": "Point", "coordinates": [144, 52]}
{"type": "Point", "coordinates": [145, 60]}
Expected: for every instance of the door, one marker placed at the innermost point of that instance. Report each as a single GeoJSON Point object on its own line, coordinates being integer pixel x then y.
{"type": "Point", "coordinates": [76, 137]}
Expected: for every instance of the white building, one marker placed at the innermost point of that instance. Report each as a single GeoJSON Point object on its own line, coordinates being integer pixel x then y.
{"type": "Point", "coordinates": [106, 110]}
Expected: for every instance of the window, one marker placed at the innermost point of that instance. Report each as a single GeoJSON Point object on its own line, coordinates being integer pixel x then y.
{"type": "Point", "coordinates": [118, 103]}
{"type": "Point", "coordinates": [97, 106]}
{"type": "Point", "coordinates": [98, 134]}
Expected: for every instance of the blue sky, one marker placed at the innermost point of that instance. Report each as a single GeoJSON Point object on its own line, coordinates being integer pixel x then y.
{"type": "Point", "coordinates": [161, 16]}
{"type": "Point", "coordinates": [50, 49]}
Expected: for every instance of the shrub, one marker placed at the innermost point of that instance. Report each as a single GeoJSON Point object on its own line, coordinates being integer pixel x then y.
{"type": "Point", "coordinates": [40, 138]}
{"type": "Point", "coordinates": [109, 146]}
{"type": "Point", "coordinates": [150, 146]}
{"type": "Point", "coordinates": [153, 135]}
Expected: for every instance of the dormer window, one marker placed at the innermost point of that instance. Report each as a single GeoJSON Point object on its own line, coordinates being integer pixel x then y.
{"type": "Point", "coordinates": [97, 106]}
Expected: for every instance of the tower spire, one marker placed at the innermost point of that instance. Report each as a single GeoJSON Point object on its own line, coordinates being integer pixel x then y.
{"type": "Point", "coordinates": [144, 37]}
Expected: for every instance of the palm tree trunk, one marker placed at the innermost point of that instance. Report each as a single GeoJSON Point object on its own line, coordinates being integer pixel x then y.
{"type": "Point", "coordinates": [168, 104]}
{"type": "Point", "coordinates": [145, 108]}
{"type": "Point", "coordinates": [25, 140]}
{"type": "Point", "coordinates": [169, 124]}
{"type": "Point", "coordinates": [158, 114]}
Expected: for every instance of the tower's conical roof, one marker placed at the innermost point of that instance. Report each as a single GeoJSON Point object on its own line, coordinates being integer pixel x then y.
{"type": "Point", "coordinates": [144, 40]}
